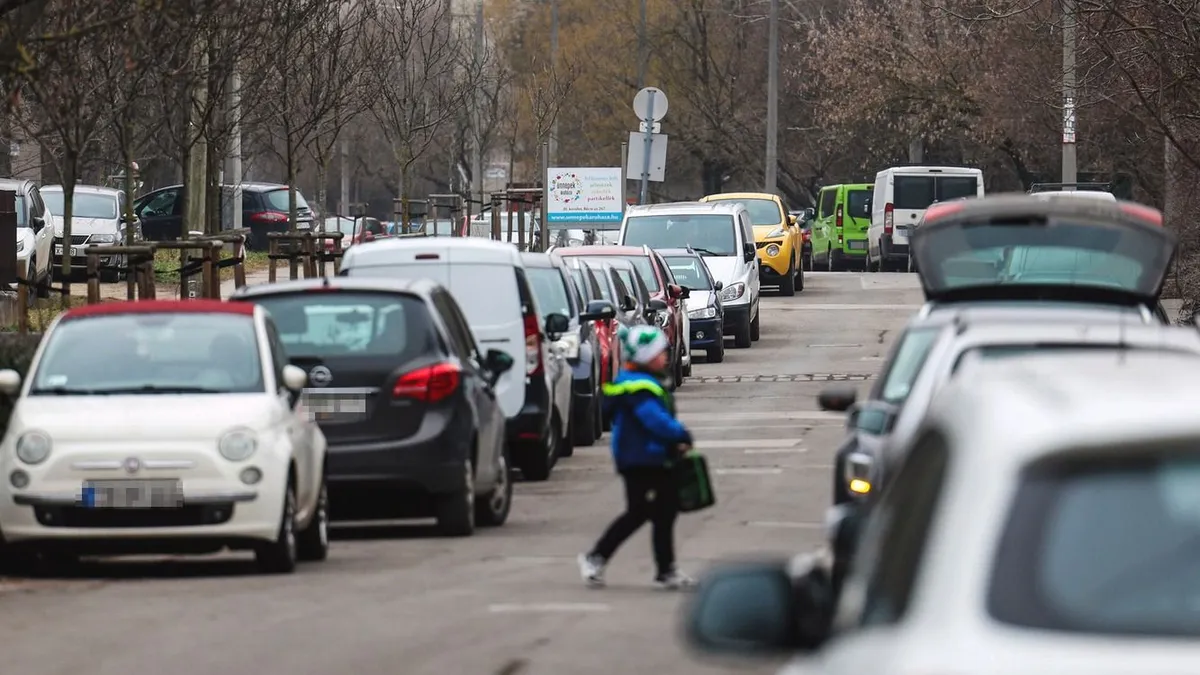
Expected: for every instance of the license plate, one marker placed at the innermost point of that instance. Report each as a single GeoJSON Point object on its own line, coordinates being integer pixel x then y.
{"type": "Point", "coordinates": [76, 251]}
{"type": "Point", "coordinates": [858, 245]}
{"type": "Point", "coordinates": [132, 494]}
{"type": "Point", "coordinates": [336, 408]}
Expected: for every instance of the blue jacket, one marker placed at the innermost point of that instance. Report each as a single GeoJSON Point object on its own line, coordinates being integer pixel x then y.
{"type": "Point", "coordinates": [644, 429]}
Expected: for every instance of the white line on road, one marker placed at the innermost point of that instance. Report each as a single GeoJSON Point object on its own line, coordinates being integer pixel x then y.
{"type": "Point", "coordinates": [751, 443]}
{"type": "Point", "coordinates": [856, 308]}
{"type": "Point", "coordinates": [772, 451]}
{"type": "Point", "coordinates": [786, 524]}
{"type": "Point", "coordinates": [748, 471]}
{"type": "Point", "coordinates": [836, 345]}
{"type": "Point", "coordinates": [712, 415]}
{"type": "Point", "coordinates": [544, 607]}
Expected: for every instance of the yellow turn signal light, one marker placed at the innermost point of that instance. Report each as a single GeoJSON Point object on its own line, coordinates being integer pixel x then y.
{"type": "Point", "coordinates": [860, 486]}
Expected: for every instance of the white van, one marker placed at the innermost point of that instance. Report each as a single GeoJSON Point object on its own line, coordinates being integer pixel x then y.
{"type": "Point", "coordinates": [722, 232]}
{"type": "Point", "coordinates": [488, 280]}
{"type": "Point", "coordinates": [901, 195]}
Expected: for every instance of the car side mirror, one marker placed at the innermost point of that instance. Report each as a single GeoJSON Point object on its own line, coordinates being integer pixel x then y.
{"type": "Point", "coordinates": [810, 213]}
{"type": "Point", "coordinates": [761, 609]}
{"type": "Point", "coordinates": [556, 325]}
{"type": "Point", "coordinates": [718, 286]}
{"type": "Point", "coordinates": [675, 291]}
{"type": "Point", "coordinates": [684, 292]}
{"type": "Point", "coordinates": [837, 399]}
{"type": "Point", "coordinates": [792, 220]}
{"type": "Point", "coordinates": [10, 382]}
{"type": "Point", "coordinates": [628, 303]}
{"type": "Point", "coordinates": [38, 223]}
{"type": "Point", "coordinates": [657, 305]}
{"type": "Point", "coordinates": [294, 378]}
{"type": "Point", "coordinates": [748, 252]}
{"type": "Point", "coordinates": [599, 310]}
{"type": "Point", "coordinates": [497, 362]}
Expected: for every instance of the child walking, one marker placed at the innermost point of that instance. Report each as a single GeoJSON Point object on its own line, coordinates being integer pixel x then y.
{"type": "Point", "coordinates": [646, 437]}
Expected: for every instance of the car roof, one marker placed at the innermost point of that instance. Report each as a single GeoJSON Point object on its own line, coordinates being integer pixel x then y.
{"type": "Point", "coordinates": [1027, 311]}
{"type": "Point", "coordinates": [476, 249]}
{"type": "Point", "coordinates": [198, 306]}
{"type": "Point", "coordinates": [1021, 204]}
{"type": "Point", "coordinates": [677, 252]}
{"type": "Point", "coordinates": [415, 286]}
{"type": "Point", "coordinates": [1068, 400]}
{"type": "Point", "coordinates": [14, 183]}
{"type": "Point", "coordinates": [721, 206]}
{"type": "Point", "coordinates": [724, 196]}
{"type": "Point", "coordinates": [537, 259]}
{"type": "Point", "coordinates": [90, 189]}
{"type": "Point", "coordinates": [601, 251]}
{"type": "Point", "coordinates": [246, 187]}
{"type": "Point", "coordinates": [1138, 336]}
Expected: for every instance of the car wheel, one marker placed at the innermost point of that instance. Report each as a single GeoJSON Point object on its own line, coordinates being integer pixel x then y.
{"type": "Point", "coordinates": [456, 511]}
{"type": "Point", "coordinates": [279, 556]}
{"type": "Point", "coordinates": [754, 330]}
{"type": "Point", "coordinates": [807, 261]}
{"type": "Point", "coordinates": [787, 285]}
{"type": "Point", "coordinates": [598, 416]}
{"type": "Point", "coordinates": [583, 428]}
{"type": "Point", "coordinates": [741, 333]}
{"type": "Point", "coordinates": [800, 278]}
{"type": "Point", "coordinates": [537, 467]}
{"type": "Point", "coordinates": [829, 260]}
{"type": "Point", "coordinates": [312, 543]}
{"type": "Point", "coordinates": [492, 509]}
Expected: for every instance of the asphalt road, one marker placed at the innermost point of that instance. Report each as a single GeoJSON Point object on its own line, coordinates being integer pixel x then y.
{"type": "Point", "coordinates": [397, 600]}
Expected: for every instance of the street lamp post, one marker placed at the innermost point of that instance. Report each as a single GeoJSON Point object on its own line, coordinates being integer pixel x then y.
{"type": "Point", "coordinates": [769, 180]}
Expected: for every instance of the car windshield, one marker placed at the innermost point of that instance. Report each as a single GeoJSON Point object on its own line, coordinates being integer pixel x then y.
{"type": "Point", "coordinates": [343, 225]}
{"type": "Point", "coordinates": [84, 205]}
{"type": "Point", "coordinates": [712, 233]}
{"type": "Point", "coordinates": [762, 211]}
{"type": "Point", "coordinates": [993, 352]}
{"type": "Point", "coordinates": [1078, 254]}
{"type": "Point", "coordinates": [151, 353]}
{"type": "Point", "coordinates": [278, 199]}
{"type": "Point", "coordinates": [549, 290]}
{"type": "Point", "coordinates": [1103, 544]}
{"type": "Point", "coordinates": [906, 364]}
{"type": "Point", "coordinates": [347, 323]}
{"type": "Point", "coordinates": [689, 272]}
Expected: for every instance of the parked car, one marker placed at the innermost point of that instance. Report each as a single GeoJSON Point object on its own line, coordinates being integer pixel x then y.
{"type": "Point", "coordinates": [804, 218]}
{"type": "Point", "coordinates": [594, 287]}
{"type": "Point", "coordinates": [900, 195]}
{"type": "Point", "coordinates": [36, 227]}
{"type": "Point", "coordinates": [777, 237]}
{"type": "Point", "coordinates": [666, 297]}
{"type": "Point", "coordinates": [706, 314]}
{"type": "Point", "coordinates": [1018, 533]}
{"type": "Point", "coordinates": [840, 229]}
{"type": "Point", "coordinates": [723, 234]}
{"type": "Point", "coordinates": [403, 394]}
{"type": "Point", "coordinates": [491, 285]}
{"type": "Point", "coordinates": [97, 219]}
{"type": "Point", "coordinates": [85, 476]}
{"type": "Point", "coordinates": [264, 209]}
{"type": "Point", "coordinates": [634, 307]}
{"type": "Point", "coordinates": [555, 293]}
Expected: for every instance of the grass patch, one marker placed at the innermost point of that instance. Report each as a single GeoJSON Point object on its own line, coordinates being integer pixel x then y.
{"type": "Point", "coordinates": [43, 312]}
{"type": "Point", "coordinates": [166, 265]}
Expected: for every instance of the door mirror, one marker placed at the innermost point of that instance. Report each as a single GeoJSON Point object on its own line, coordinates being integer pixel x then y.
{"type": "Point", "coordinates": [810, 213]}
{"type": "Point", "coordinates": [674, 291]}
{"type": "Point", "coordinates": [294, 378]}
{"type": "Point", "coordinates": [837, 399]}
{"type": "Point", "coordinates": [685, 293]}
{"type": "Point", "coordinates": [718, 286]}
{"type": "Point", "coordinates": [792, 220]}
{"type": "Point", "coordinates": [657, 305]}
{"type": "Point", "coordinates": [10, 382]}
{"type": "Point", "coordinates": [628, 304]}
{"type": "Point", "coordinates": [761, 609]}
{"type": "Point", "coordinates": [38, 223]}
{"type": "Point", "coordinates": [497, 362]}
{"type": "Point", "coordinates": [748, 252]}
{"type": "Point", "coordinates": [556, 325]}
{"type": "Point", "coordinates": [599, 310]}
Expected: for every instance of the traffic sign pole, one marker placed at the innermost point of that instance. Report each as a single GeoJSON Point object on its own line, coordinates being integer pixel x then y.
{"type": "Point", "coordinates": [648, 143]}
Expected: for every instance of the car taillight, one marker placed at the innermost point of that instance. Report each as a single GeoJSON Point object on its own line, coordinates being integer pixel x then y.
{"type": "Point", "coordinates": [533, 345]}
{"type": "Point", "coordinates": [838, 217]}
{"type": "Point", "coordinates": [429, 384]}
{"type": "Point", "coordinates": [268, 217]}
{"type": "Point", "coordinates": [889, 218]}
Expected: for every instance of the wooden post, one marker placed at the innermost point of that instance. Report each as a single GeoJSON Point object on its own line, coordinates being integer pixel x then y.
{"type": "Point", "coordinates": [310, 255]}
{"type": "Point", "coordinates": [130, 278]}
{"type": "Point", "coordinates": [239, 270]}
{"type": "Point", "coordinates": [22, 301]}
{"type": "Point", "coordinates": [148, 290]}
{"type": "Point", "coordinates": [206, 274]}
{"type": "Point", "coordinates": [337, 253]}
{"type": "Point", "coordinates": [293, 261]}
{"type": "Point", "coordinates": [214, 254]}
{"type": "Point", "coordinates": [272, 251]}
{"type": "Point", "coordinates": [93, 279]}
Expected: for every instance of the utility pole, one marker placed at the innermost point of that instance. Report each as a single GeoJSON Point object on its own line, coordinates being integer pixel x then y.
{"type": "Point", "coordinates": [553, 64]}
{"type": "Point", "coordinates": [1069, 163]}
{"type": "Point", "coordinates": [477, 122]}
{"type": "Point", "coordinates": [643, 46]}
{"type": "Point", "coordinates": [235, 149]}
{"type": "Point", "coordinates": [772, 98]}
{"type": "Point", "coordinates": [344, 197]}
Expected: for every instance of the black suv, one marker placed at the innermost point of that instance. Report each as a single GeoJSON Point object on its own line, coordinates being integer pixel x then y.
{"type": "Point", "coordinates": [403, 395]}
{"type": "Point", "coordinates": [264, 209]}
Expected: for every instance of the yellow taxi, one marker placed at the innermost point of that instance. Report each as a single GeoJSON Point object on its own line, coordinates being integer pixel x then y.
{"type": "Point", "coordinates": [777, 237]}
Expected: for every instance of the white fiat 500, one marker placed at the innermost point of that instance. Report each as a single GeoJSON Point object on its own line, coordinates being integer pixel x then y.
{"type": "Point", "coordinates": [161, 427]}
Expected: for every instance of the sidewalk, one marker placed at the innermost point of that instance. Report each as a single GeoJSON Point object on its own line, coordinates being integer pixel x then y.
{"type": "Point", "coordinates": [169, 291]}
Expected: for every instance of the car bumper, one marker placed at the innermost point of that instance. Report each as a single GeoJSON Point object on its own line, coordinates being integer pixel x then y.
{"type": "Point", "coordinates": [528, 427]}
{"type": "Point", "coordinates": [890, 249]}
{"type": "Point", "coordinates": [774, 267]}
{"type": "Point", "coordinates": [734, 315]}
{"type": "Point", "coordinates": [707, 332]}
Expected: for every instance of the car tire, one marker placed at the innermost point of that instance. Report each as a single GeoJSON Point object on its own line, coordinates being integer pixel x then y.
{"type": "Point", "coordinates": [456, 511]}
{"type": "Point", "coordinates": [716, 354]}
{"type": "Point", "coordinates": [787, 285]}
{"type": "Point", "coordinates": [492, 509]}
{"type": "Point", "coordinates": [800, 279]}
{"type": "Point", "coordinates": [741, 333]}
{"type": "Point", "coordinates": [754, 327]}
{"type": "Point", "coordinates": [537, 467]}
{"type": "Point", "coordinates": [598, 417]}
{"type": "Point", "coordinates": [583, 428]}
{"type": "Point", "coordinates": [279, 556]}
{"type": "Point", "coordinates": [830, 267]}
{"type": "Point", "coordinates": [312, 544]}
{"type": "Point", "coordinates": [806, 260]}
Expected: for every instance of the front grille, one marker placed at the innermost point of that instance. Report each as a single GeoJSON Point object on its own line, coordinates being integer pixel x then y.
{"type": "Point", "coordinates": [761, 244]}
{"type": "Point", "coordinates": [184, 516]}
{"type": "Point", "coordinates": [76, 239]}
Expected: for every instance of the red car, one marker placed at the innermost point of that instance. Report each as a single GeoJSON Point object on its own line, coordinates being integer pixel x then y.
{"type": "Point", "coordinates": [666, 296]}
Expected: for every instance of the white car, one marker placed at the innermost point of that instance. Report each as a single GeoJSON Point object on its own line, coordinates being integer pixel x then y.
{"type": "Point", "coordinates": [162, 427]}
{"type": "Point", "coordinates": [1045, 520]}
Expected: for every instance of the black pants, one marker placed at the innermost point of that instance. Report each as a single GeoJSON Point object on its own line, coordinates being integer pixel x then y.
{"type": "Point", "coordinates": [650, 495]}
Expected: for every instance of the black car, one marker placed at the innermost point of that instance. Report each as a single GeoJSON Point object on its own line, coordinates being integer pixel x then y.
{"type": "Point", "coordinates": [403, 395]}
{"type": "Point", "coordinates": [264, 209]}
{"type": "Point", "coordinates": [706, 313]}
{"type": "Point", "coordinates": [555, 293]}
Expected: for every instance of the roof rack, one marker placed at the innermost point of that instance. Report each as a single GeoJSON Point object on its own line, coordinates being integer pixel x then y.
{"type": "Point", "coordinates": [1063, 187]}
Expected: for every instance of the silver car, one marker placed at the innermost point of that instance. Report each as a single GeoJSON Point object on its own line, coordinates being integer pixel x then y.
{"type": "Point", "coordinates": [97, 219]}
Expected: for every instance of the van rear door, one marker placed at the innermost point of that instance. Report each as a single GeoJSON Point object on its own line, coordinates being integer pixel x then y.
{"type": "Point", "coordinates": [912, 193]}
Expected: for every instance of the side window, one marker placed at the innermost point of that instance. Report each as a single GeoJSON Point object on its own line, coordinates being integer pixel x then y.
{"type": "Point", "coordinates": [37, 206]}
{"type": "Point", "coordinates": [664, 269]}
{"type": "Point", "coordinates": [828, 200]}
{"type": "Point", "coordinates": [279, 355]}
{"type": "Point", "coordinates": [464, 329]}
{"type": "Point", "coordinates": [161, 204]}
{"type": "Point", "coordinates": [458, 342]}
{"type": "Point", "coordinates": [894, 546]}
{"type": "Point", "coordinates": [906, 363]}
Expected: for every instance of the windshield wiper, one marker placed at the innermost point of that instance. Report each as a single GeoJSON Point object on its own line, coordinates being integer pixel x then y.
{"type": "Point", "coordinates": [62, 391]}
{"type": "Point", "coordinates": [157, 389]}
{"type": "Point", "coordinates": [702, 251]}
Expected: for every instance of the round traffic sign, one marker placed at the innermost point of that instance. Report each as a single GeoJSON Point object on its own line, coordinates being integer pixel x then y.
{"type": "Point", "coordinates": [641, 103]}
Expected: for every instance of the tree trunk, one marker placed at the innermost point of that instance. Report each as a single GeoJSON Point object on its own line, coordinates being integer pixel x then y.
{"type": "Point", "coordinates": [70, 168]}
{"type": "Point", "coordinates": [291, 181]}
{"type": "Point", "coordinates": [212, 194]}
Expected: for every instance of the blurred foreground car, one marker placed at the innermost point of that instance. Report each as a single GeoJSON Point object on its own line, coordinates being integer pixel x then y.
{"type": "Point", "coordinates": [162, 427]}
{"type": "Point", "coordinates": [1063, 543]}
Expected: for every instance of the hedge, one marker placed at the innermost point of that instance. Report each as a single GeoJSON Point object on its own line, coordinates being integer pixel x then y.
{"type": "Point", "coordinates": [16, 351]}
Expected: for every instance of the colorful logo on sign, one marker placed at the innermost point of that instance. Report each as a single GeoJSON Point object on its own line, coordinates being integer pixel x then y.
{"type": "Point", "coordinates": [567, 188]}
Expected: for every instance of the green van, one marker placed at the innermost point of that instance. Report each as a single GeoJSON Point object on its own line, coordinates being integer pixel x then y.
{"type": "Point", "coordinates": [839, 232]}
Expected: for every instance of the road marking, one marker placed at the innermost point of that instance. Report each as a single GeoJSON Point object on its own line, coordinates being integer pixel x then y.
{"type": "Point", "coordinates": [711, 415]}
{"type": "Point", "coordinates": [794, 525]}
{"type": "Point", "coordinates": [548, 607]}
{"type": "Point", "coordinates": [871, 358]}
{"type": "Point", "coordinates": [771, 451]}
{"type": "Point", "coordinates": [748, 471]}
{"type": "Point", "coordinates": [751, 443]}
{"type": "Point", "coordinates": [725, 427]}
{"type": "Point", "coordinates": [837, 345]}
{"type": "Point", "coordinates": [857, 308]}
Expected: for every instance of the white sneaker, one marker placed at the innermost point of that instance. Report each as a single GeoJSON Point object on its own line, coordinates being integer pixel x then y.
{"type": "Point", "coordinates": [591, 568]}
{"type": "Point", "coordinates": [674, 581]}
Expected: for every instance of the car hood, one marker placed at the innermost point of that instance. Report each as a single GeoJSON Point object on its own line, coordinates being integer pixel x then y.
{"type": "Point", "coordinates": [761, 231]}
{"type": "Point", "coordinates": [1050, 258]}
{"type": "Point", "coordinates": [145, 417]}
{"type": "Point", "coordinates": [723, 268]}
{"type": "Point", "coordinates": [698, 300]}
{"type": "Point", "coordinates": [89, 226]}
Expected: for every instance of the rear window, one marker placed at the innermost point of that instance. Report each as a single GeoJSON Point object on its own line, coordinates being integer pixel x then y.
{"type": "Point", "coordinates": [549, 290]}
{"type": "Point", "coordinates": [710, 234]}
{"type": "Point", "coordinates": [1103, 545]}
{"type": "Point", "coordinates": [858, 204]}
{"type": "Point", "coordinates": [689, 272]}
{"type": "Point", "coordinates": [278, 199]}
{"type": "Point", "coordinates": [906, 364]}
{"type": "Point", "coordinates": [913, 192]}
{"type": "Point", "coordinates": [349, 324]}
{"type": "Point", "coordinates": [480, 289]}
{"type": "Point", "coordinates": [956, 187]}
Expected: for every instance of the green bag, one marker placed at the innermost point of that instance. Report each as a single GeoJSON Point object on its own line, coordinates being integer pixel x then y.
{"type": "Point", "coordinates": [695, 486]}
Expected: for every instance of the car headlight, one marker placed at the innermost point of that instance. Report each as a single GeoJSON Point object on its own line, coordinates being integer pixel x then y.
{"type": "Point", "coordinates": [33, 447]}
{"type": "Point", "coordinates": [703, 313]}
{"type": "Point", "coordinates": [776, 233]}
{"type": "Point", "coordinates": [21, 245]}
{"type": "Point", "coordinates": [772, 250]}
{"type": "Point", "coordinates": [661, 318]}
{"type": "Point", "coordinates": [103, 239]}
{"type": "Point", "coordinates": [238, 445]}
{"type": "Point", "coordinates": [569, 343]}
{"type": "Point", "coordinates": [733, 292]}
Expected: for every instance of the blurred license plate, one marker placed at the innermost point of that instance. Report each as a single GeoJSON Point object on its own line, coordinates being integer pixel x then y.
{"type": "Point", "coordinates": [858, 244]}
{"type": "Point", "coordinates": [75, 250]}
{"type": "Point", "coordinates": [132, 494]}
{"type": "Point", "coordinates": [336, 407]}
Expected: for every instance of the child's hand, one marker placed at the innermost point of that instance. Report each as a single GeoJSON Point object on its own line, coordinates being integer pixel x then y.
{"type": "Point", "coordinates": [683, 448]}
